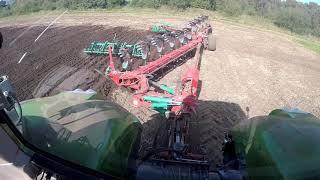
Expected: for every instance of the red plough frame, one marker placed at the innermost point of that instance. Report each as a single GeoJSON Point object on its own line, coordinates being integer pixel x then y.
{"type": "Point", "coordinates": [137, 80]}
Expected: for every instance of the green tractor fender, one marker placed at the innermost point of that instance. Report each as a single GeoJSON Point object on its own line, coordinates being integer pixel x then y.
{"type": "Point", "coordinates": [82, 129]}
{"type": "Point", "coordinates": [282, 145]}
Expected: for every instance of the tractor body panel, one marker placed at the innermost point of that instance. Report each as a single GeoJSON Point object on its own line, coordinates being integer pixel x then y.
{"type": "Point", "coordinates": [79, 128]}
{"type": "Point", "coordinates": [282, 145]}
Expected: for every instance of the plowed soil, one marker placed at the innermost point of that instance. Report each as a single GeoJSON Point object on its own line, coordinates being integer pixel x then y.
{"type": "Point", "coordinates": [57, 60]}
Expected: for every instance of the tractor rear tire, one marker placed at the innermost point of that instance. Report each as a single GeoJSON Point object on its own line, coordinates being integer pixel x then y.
{"type": "Point", "coordinates": [212, 40]}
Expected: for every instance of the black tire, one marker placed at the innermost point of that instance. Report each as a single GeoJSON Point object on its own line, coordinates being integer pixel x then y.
{"type": "Point", "coordinates": [161, 139]}
{"type": "Point", "coordinates": [212, 42]}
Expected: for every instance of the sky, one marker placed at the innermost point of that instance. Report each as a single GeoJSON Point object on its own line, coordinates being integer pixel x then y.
{"type": "Point", "coordinates": [306, 1]}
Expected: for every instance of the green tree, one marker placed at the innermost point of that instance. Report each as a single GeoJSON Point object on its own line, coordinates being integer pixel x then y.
{"type": "Point", "coordinates": [203, 4]}
{"type": "Point", "coordinates": [232, 7]}
{"type": "Point", "coordinates": [180, 4]}
{"type": "Point", "coordinates": [295, 19]}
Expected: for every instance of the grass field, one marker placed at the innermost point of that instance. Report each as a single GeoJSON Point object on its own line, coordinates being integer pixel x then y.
{"type": "Point", "coordinates": [310, 44]}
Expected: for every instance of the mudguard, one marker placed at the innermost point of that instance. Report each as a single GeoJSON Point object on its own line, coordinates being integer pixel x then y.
{"type": "Point", "coordinates": [78, 127]}
{"type": "Point", "coordinates": [282, 145]}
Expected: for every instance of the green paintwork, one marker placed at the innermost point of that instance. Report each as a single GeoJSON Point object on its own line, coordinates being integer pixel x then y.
{"type": "Point", "coordinates": [98, 48]}
{"type": "Point", "coordinates": [161, 28]}
{"type": "Point", "coordinates": [102, 48]}
{"type": "Point", "coordinates": [159, 106]}
{"type": "Point", "coordinates": [282, 145]}
{"type": "Point", "coordinates": [157, 99]}
{"type": "Point", "coordinates": [84, 130]}
{"type": "Point", "coordinates": [167, 89]}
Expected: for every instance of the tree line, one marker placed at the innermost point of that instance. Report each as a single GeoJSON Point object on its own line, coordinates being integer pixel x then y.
{"type": "Point", "coordinates": [302, 18]}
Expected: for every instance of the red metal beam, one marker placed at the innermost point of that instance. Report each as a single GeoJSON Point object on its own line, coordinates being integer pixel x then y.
{"type": "Point", "coordinates": [130, 78]}
{"type": "Point", "coordinates": [167, 58]}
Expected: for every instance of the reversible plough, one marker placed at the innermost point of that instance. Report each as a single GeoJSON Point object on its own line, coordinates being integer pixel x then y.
{"type": "Point", "coordinates": [177, 104]}
{"type": "Point", "coordinates": [171, 45]}
{"type": "Point", "coordinates": [180, 42]}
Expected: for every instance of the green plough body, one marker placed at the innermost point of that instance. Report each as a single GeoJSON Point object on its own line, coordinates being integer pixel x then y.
{"type": "Point", "coordinates": [102, 48]}
{"type": "Point", "coordinates": [161, 28]}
